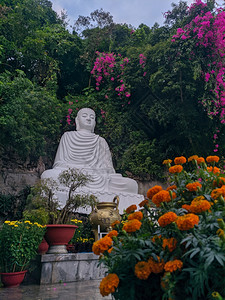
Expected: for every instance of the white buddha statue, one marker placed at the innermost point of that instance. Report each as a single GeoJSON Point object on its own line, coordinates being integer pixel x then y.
{"type": "Point", "coordinates": [88, 152]}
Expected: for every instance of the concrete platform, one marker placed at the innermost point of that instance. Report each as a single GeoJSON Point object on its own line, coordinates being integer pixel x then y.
{"type": "Point", "coordinates": [82, 290]}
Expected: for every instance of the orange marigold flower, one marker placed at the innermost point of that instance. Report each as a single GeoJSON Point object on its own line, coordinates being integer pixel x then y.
{"type": "Point", "coordinates": [193, 186]}
{"type": "Point", "coordinates": [180, 160]}
{"type": "Point", "coordinates": [219, 182]}
{"type": "Point", "coordinates": [112, 233]}
{"type": "Point", "coordinates": [175, 169]}
{"type": "Point", "coordinates": [167, 161]}
{"type": "Point", "coordinates": [142, 270]}
{"type": "Point", "coordinates": [110, 250]}
{"type": "Point", "coordinates": [136, 215]}
{"type": "Point", "coordinates": [186, 206]}
{"type": "Point", "coordinates": [167, 219]}
{"type": "Point", "coordinates": [156, 266]}
{"type": "Point", "coordinates": [193, 157]}
{"type": "Point", "coordinates": [212, 158]}
{"type": "Point", "coordinates": [102, 245]}
{"type": "Point", "coordinates": [215, 194]}
{"type": "Point", "coordinates": [154, 190]}
{"type": "Point", "coordinates": [117, 222]}
{"type": "Point", "coordinates": [162, 196]}
{"type": "Point", "coordinates": [172, 187]}
{"type": "Point", "coordinates": [173, 265]}
{"type": "Point", "coordinates": [199, 206]}
{"type": "Point", "coordinates": [187, 222]}
{"type": "Point", "coordinates": [156, 237]}
{"type": "Point", "coordinates": [215, 170]}
{"type": "Point", "coordinates": [200, 160]}
{"type": "Point", "coordinates": [170, 243]}
{"type": "Point", "coordinates": [132, 225]}
{"type": "Point", "coordinates": [143, 203]}
{"type": "Point", "coordinates": [131, 208]}
{"type": "Point", "coordinates": [109, 284]}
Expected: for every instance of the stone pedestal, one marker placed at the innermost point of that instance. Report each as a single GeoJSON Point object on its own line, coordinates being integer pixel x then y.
{"type": "Point", "coordinates": [58, 268]}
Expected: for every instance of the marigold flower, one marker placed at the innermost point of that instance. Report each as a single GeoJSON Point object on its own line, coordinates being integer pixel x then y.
{"type": "Point", "coordinates": [143, 203]}
{"type": "Point", "coordinates": [156, 266]}
{"type": "Point", "coordinates": [215, 170]}
{"type": "Point", "coordinates": [167, 219]}
{"type": "Point", "coordinates": [170, 243]}
{"type": "Point", "coordinates": [162, 196]}
{"type": "Point", "coordinates": [214, 158]}
{"type": "Point", "coordinates": [186, 206]}
{"type": "Point", "coordinates": [154, 190]}
{"type": "Point", "coordinates": [131, 208]}
{"type": "Point", "coordinates": [175, 169]}
{"type": "Point", "coordinates": [110, 250]}
{"type": "Point", "coordinates": [193, 157]}
{"type": "Point", "coordinates": [173, 265]}
{"type": "Point", "coordinates": [167, 161]}
{"type": "Point", "coordinates": [112, 233]}
{"type": "Point", "coordinates": [216, 193]}
{"type": "Point", "coordinates": [136, 215]}
{"type": "Point", "coordinates": [132, 225]}
{"type": "Point", "coordinates": [219, 182]}
{"type": "Point", "coordinates": [156, 237]}
{"type": "Point", "coordinates": [193, 186]}
{"type": "Point", "coordinates": [117, 222]}
{"type": "Point", "coordinates": [109, 284]}
{"type": "Point", "coordinates": [180, 160]}
{"type": "Point", "coordinates": [187, 222]}
{"type": "Point", "coordinates": [220, 233]}
{"type": "Point", "coordinates": [142, 270]}
{"type": "Point", "coordinates": [199, 206]}
{"type": "Point", "coordinates": [200, 160]}
{"type": "Point", "coordinates": [172, 187]}
{"type": "Point", "coordinates": [102, 245]}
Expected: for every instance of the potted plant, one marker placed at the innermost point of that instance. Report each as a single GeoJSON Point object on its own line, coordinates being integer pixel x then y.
{"type": "Point", "coordinates": [19, 241]}
{"type": "Point", "coordinates": [43, 200]}
{"type": "Point", "coordinates": [174, 246]}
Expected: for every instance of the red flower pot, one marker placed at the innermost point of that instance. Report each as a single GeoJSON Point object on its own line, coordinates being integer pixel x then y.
{"type": "Point", "coordinates": [43, 247]}
{"type": "Point", "coordinates": [59, 235]}
{"type": "Point", "coordinates": [12, 279]}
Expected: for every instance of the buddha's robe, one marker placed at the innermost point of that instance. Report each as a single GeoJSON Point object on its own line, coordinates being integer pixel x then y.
{"type": "Point", "coordinates": [90, 154]}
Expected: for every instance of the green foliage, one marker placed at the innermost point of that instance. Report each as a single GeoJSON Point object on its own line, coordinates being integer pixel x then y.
{"type": "Point", "coordinates": [18, 244]}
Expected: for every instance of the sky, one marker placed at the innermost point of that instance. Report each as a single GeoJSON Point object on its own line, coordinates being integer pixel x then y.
{"type": "Point", "coordinates": [133, 12]}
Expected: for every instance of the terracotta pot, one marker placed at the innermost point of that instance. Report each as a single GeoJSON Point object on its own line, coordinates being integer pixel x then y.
{"type": "Point", "coordinates": [12, 279]}
{"type": "Point", "coordinates": [43, 247]}
{"type": "Point", "coordinates": [58, 236]}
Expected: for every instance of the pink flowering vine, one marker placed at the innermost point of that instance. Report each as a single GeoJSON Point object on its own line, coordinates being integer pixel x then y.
{"type": "Point", "coordinates": [207, 30]}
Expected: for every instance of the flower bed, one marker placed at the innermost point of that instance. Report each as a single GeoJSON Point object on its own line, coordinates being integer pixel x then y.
{"type": "Point", "coordinates": [173, 248]}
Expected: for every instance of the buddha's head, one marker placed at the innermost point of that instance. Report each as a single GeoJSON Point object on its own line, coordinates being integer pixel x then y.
{"type": "Point", "coordinates": [85, 120]}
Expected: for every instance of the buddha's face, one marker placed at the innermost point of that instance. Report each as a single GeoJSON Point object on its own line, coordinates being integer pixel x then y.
{"type": "Point", "coordinates": [86, 119]}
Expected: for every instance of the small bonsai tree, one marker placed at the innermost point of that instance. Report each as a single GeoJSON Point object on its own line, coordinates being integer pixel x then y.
{"type": "Point", "coordinates": [43, 205]}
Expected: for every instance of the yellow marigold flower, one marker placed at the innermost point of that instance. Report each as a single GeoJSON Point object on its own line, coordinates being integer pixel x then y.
{"type": "Point", "coordinates": [215, 170]}
{"type": "Point", "coordinates": [142, 270]}
{"type": "Point", "coordinates": [187, 222]}
{"type": "Point", "coordinates": [102, 245]}
{"type": "Point", "coordinates": [214, 158]}
{"type": "Point", "coordinates": [200, 160]}
{"type": "Point", "coordinates": [162, 196]}
{"type": "Point", "coordinates": [193, 186]}
{"type": "Point", "coordinates": [216, 193]}
{"type": "Point", "coordinates": [172, 187]}
{"type": "Point", "coordinates": [109, 284]}
{"type": "Point", "coordinates": [154, 190]}
{"type": "Point", "coordinates": [117, 222]}
{"type": "Point", "coordinates": [136, 215]}
{"type": "Point", "coordinates": [156, 266]}
{"type": "Point", "coordinates": [131, 208]}
{"type": "Point", "coordinates": [7, 222]}
{"type": "Point", "coordinates": [112, 233]}
{"type": "Point", "coordinates": [167, 219]}
{"type": "Point", "coordinates": [173, 265]}
{"type": "Point", "coordinates": [170, 243]}
{"type": "Point", "coordinates": [143, 203]}
{"type": "Point", "coordinates": [132, 225]}
{"type": "Point", "coordinates": [175, 169]}
{"type": "Point", "coordinates": [167, 161]}
{"type": "Point", "coordinates": [180, 160]}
